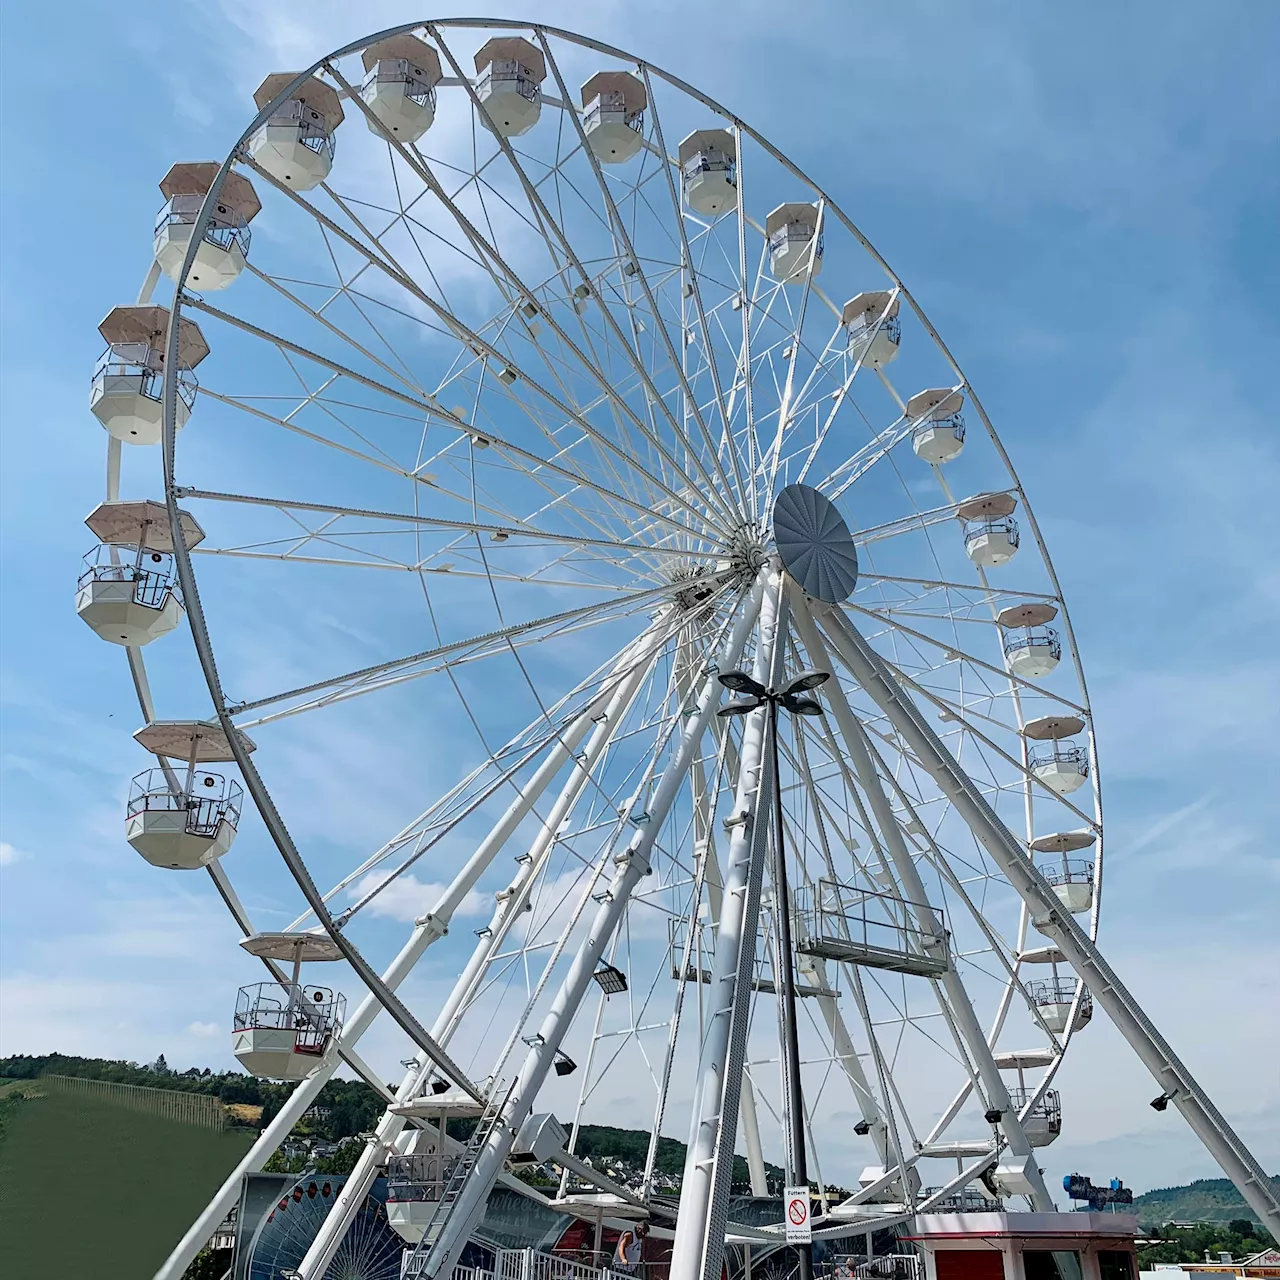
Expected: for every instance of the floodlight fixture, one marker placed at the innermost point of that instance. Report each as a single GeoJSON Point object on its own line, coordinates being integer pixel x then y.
{"type": "Point", "coordinates": [741, 682]}
{"type": "Point", "coordinates": [800, 706]}
{"type": "Point", "coordinates": [805, 681]}
{"type": "Point", "coordinates": [740, 706]}
{"type": "Point", "coordinates": [612, 981]}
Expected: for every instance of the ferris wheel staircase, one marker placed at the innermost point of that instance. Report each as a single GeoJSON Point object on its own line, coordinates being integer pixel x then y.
{"type": "Point", "coordinates": [418, 1264]}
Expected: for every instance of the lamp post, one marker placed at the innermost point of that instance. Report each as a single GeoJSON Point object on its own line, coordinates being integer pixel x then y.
{"type": "Point", "coordinates": [791, 697]}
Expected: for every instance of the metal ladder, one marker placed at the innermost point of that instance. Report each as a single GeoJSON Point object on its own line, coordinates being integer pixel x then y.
{"type": "Point", "coordinates": [415, 1265]}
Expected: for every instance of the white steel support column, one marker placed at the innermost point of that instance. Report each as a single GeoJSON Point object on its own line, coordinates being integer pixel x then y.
{"type": "Point", "coordinates": [631, 865]}
{"type": "Point", "coordinates": [698, 1250]}
{"type": "Point", "coordinates": [997, 1094]}
{"type": "Point", "coordinates": [1053, 920]}
{"type": "Point", "coordinates": [846, 1054]}
{"type": "Point", "coordinates": [388, 1134]}
{"type": "Point", "coordinates": [290, 1113]}
{"type": "Point", "coordinates": [751, 1139]}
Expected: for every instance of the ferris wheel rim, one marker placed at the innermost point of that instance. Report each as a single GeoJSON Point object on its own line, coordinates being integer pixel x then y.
{"type": "Point", "coordinates": [225, 710]}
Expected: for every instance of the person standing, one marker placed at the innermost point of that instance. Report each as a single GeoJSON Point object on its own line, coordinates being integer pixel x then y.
{"type": "Point", "coordinates": [626, 1257]}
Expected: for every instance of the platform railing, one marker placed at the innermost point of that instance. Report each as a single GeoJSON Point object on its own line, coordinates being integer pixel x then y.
{"type": "Point", "coordinates": [847, 922]}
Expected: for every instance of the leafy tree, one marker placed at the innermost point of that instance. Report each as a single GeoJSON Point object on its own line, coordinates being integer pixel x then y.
{"type": "Point", "coordinates": [209, 1264]}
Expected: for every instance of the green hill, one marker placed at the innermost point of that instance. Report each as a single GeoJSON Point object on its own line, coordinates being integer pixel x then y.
{"type": "Point", "coordinates": [88, 1188]}
{"type": "Point", "coordinates": [1206, 1200]}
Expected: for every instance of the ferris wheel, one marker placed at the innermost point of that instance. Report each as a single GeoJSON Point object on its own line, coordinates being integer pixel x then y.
{"type": "Point", "coordinates": [539, 428]}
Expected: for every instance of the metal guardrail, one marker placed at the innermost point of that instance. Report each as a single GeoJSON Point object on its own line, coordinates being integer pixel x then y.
{"type": "Point", "coordinates": [151, 572]}
{"type": "Point", "coordinates": [132, 361]}
{"type": "Point", "coordinates": [1068, 871]}
{"type": "Point", "coordinates": [1034, 637]}
{"type": "Point", "coordinates": [217, 800]}
{"type": "Point", "coordinates": [1006, 525]}
{"type": "Point", "coordinates": [398, 71]}
{"type": "Point", "coordinates": [506, 72]}
{"type": "Point", "coordinates": [612, 104]}
{"type": "Point", "coordinates": [1046, 756]}
{"type": "Point", "coordinates": [197, 1109]}
{"type": "Point", "coordinates": [314, 1014]}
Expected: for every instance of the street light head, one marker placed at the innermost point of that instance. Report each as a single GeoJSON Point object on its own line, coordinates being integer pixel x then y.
{"type": "Point", "coordinates": [740, 706]}
{"type": "Point", "coordinates": [801, 706]}
{"type": "Point", "coordinates": [741, 682]}
{"type": "Point", "coordinates": [805, 681]}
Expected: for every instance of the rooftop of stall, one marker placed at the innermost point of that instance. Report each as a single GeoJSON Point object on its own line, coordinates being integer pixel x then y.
{"type": "Point", "coordinates": [1026, 1246]}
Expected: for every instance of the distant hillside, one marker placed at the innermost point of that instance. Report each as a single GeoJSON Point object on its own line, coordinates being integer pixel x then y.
{"type": "Point", "coordinates": [343, 1109]}
{"type": "Point", "coordinates": [1206, 1200]}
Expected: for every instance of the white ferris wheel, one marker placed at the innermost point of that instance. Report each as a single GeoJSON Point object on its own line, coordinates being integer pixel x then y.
{"type": "Point", "coordinates": [534, 417]}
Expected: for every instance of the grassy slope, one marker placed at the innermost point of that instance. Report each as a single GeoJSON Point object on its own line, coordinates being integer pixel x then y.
{"type": "Point", "coordinates": [89, 1189]}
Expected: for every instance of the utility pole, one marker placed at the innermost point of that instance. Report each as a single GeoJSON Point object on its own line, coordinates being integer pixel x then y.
{"type": "Point", "coordinates": [791, 698]}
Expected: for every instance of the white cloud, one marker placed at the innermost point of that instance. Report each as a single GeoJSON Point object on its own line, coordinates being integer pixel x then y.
{"type": "Point", "coordinates": [205, 1030]}
{"type": "Point", "coordinates": [406, 898]}
{"type": "Point", "coordinates": [9, 855]}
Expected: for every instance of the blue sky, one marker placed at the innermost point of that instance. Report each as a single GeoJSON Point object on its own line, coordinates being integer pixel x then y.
{"type": "Point", "coordinates": [1083, 199]}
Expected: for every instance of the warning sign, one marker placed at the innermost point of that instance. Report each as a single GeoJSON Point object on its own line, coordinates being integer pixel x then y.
{"type": "Point", "coordinates": [799, 1228]}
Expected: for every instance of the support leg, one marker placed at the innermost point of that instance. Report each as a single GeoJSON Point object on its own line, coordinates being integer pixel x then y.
{"type": "Point", "coordinates": [699, 1243]}
{"type": "Point", "coordinates": [997, 1095]}
{"type": "Point", "coordinates": [631, 865]}
{"type": "Point", "coordinates": [1053, 920]}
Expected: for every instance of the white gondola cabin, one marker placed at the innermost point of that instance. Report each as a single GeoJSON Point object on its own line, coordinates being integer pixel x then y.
{"type": "Point", "coordinates": [183, 819]}
{"type": "Point", "coordinates": [613, 104]}
{"type": "Point", "coordinates": [509, 75]}
{"type": "Point", "coordinates": [224, 247]}
{"type": "Point", "coordinates": [1053, 999]}
{"type": "Point", "coordinates": [937, 427]}
{"type": "Point", "coordinates": [1060, 764]}
{"type": "Point", "coordinates": [990, 532]}
{"type": "Point", "coordinates": [795, 243]}
{"type": "Point", "coordinates": [709, 171]}
{"type": "Point", "coordinates": [401, 74]}
{"type": "Point", "coordinates": [874, 329]}
{"type": "Point", "coordinates": [128, 591]}
{"type": "Point", "coordinates": [1032, 648]}
{"type": "Point", "coordinates": [415, 1183]}
{"type": "Point", "coordinates": [285, 1030]}
{"type": "Point", "coordinates": [128, 382]}
{"type": "Point", "coordinates": [294, 144]}
{"type": "Point", "coordinates": [1041, 1117]}
{"type": "Point", "coordinates": [1070, 878]}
